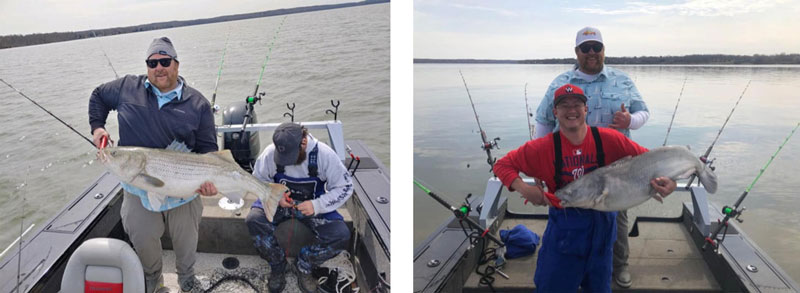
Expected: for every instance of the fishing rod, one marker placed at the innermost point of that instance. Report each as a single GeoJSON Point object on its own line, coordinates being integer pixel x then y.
{"type": "Point", "coordinates": [479, 232]}
{"type": "Point", "coordinates": [256, 97]}
{"type": "Point", "coordinates": [271, 45]}
{"type": "Point", "coordinates": [674, 111]}
{"type": "Point", "coordinates": [487, 144]}
{"type": "Point", "coordinates": [528, 111]}
{"type": "Point", "coordinates": [461, 213]}
{"type": "Point", "coordinates": [704, 157]}
{"type": "Point", "coordinates": [107, 59]}
{"type": "Point", "coordinates": [735, 211]}
{"type": "Point", "coordinates": [48, 112]}
{"type": "Point", "coordinates": [21, 222]}
{"type": "Point", "coordinates": [214, 105]}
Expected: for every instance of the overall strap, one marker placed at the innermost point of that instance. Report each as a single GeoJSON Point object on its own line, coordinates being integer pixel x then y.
{"type": "Point", "coordinates": [279, 170]}
{"type": "Point", "coordinates": [598, 143]}
{"type": "Point", "coordinates": [312, 162]}
{"type": "Point", "coordinates": [559, 162]}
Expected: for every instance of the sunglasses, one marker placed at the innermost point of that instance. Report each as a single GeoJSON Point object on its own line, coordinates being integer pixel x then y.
{"type": "Point", "coordinates": [597, 47]}
{"type": "Point", "coordinates": [152, 63]}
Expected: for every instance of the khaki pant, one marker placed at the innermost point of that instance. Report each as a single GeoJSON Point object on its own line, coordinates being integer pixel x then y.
{"type": "Point", "coordinates": [621, 248]}
{"type": "Point", "coordinates": [145, 228]}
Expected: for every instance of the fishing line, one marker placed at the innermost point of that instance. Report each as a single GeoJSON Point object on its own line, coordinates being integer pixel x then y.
{"type": "Point", "coordinates": [271, 45]}
{"type": "Point", "coordinates": [487, 145]}
{"type": "Point", "coordinates": [704, 158]}
{"type": "Point", "coordinates": [107, 59]}
{"type": "Point", "coordinates": [48, 112]}
{"type": "Point", "coordinates": [219, 73]}
{"type": "Point", "coordinates": [735, 211]}
{"type": "Point", "coordinates": [674, 111]}
{"type": "Point", "coordinates": [528, 112]}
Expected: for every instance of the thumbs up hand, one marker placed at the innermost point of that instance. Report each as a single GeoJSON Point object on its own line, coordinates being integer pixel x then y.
{"type": "Point", "coordinates": [622, 118]}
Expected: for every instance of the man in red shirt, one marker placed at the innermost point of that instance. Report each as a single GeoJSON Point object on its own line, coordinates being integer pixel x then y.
{"type": "Point", "coordinates": [578, 243]}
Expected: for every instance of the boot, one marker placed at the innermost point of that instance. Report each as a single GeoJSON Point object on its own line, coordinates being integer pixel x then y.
{"type": "Point", "coordinates": [306, 282]}
{"type": "Point", "coordinates": [623, 277]}
{"type": "Point", "coordinates": [277, 278]}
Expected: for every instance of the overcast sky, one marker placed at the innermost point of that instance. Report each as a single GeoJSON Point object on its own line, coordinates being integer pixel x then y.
{"type": "Point", "coordinates": [531, 29]}
{"type": "Point", "coordinates": [44, 16]}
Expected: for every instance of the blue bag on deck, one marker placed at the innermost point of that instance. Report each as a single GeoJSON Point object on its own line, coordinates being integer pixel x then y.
{"type": "Point", "coordinates": [520, 241]}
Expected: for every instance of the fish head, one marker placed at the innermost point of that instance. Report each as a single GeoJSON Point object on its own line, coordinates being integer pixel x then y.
{"type": "Point", "coordinates": [576, 195]}
{"type": "Point", "coordinates": [123, 162]}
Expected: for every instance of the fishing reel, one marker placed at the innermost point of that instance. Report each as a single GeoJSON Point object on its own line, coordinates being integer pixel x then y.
{"type": "Point", "coordinates": [489, 144]}
{"type": "Point", "coordinates": [251, 100]}
{"type": "Point", "coordinates": [709, 163]}
{"type": "Point", "coordinates": [733, 212]}
{"type": "Point", "coordinates": [465, 209]}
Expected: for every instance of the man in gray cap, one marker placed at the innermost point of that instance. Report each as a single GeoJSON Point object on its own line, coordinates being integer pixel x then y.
{"type": "Point", "coordinates": [319, 184]}
{"type": "Point", "coordinates": [155, 110]}
{"type": "Point", "coordinates": [613, 101]}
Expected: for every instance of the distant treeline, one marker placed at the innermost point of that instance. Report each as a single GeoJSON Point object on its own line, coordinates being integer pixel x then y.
{"type": "Point", "coordinates": [688, 59]}
{"type": "Point", "coordinates": [11, 41]}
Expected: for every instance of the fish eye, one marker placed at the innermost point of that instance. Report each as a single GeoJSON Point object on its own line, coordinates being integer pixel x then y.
{"type": "Point", "coordinates": [113, 153]}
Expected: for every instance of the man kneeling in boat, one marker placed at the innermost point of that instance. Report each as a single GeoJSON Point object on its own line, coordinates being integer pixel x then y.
{"type": "Point", "coordinates": [305, 165]}
{"type": "Point", "coordinates": [577, 246]}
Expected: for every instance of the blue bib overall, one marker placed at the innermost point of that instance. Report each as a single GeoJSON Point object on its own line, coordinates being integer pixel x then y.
{"type": "Point", "coordinates": [332, 234]}
{"type": "Point", "coordinates": [577, 248]}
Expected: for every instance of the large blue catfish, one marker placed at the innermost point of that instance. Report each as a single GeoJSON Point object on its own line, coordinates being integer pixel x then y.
{"type": "Point", "coordinates": [626, 183]}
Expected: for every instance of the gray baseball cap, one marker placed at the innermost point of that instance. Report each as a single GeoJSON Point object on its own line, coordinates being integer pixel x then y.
{"type": "Point", "coordinates": [162, 46]}
{"type": "Point", "coordinates": [287, 139]}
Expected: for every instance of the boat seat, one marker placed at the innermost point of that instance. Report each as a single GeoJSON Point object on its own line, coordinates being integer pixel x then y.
{"type": "Point", "coordinates": [293, 235]}
{"type": "Point", "coordinates": [103, 265]}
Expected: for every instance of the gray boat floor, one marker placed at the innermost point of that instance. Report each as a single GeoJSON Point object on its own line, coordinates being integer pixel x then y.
{"type": "Point", "coordinates": [208, 267]}
{"type": "Point", "coordinates": [662, 258]}
{"type": "Point", "coordinates": [209, 271]}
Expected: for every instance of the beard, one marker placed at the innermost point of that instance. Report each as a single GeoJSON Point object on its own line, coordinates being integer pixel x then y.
{"type": "Point", "coordinates": [301, 157]}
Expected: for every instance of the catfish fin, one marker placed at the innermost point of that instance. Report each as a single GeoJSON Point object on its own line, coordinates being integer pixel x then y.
{"type": "Point", "coordinates": [658, 197]}
{"type": "Point", "coordinates": [602, 196]}
{"type": "Point", "coordinates": [225, 155]}
{"type": "Point", "coordinates": [178, 146]}
{"type": "Point", "coordinates": [272, 199]}
{"type": "Point", "coordinates": [233, 196]}
{"type": "Point", "coordinates": [709, 179]}
{"type": "Point", "coordinates": [151, 180]}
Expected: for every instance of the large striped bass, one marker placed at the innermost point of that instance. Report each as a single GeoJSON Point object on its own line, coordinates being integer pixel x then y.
{"type": "Point", "coordinates": [163, 172]}
{"type": "Point", "coordinates": [626, 182]}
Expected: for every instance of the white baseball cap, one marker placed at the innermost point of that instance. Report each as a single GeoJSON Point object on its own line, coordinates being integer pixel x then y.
{"type": "Point", "coordinates": [588, 34]}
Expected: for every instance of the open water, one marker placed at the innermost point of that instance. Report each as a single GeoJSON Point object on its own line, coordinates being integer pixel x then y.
{"type": "Point", "coordinates": [448, 157]}
{"type": "Point", "coordinates": [340, 54]}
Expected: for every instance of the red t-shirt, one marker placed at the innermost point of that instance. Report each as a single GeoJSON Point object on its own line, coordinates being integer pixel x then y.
{"type": "Point", "coordinates": [536, 158]}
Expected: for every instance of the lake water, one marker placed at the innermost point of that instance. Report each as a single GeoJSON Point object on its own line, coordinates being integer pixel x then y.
{"type": "Point", "coordinates": [340, 54]}
{"type": "Point", "coordinates": [448, 157]}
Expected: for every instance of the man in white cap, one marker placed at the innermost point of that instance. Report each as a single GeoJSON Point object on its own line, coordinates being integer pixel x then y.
{"type": "Point", "coordinates": [319, 184]}
{"type": "Point", "coordinates": [154, 111]}
{"type": "Point", "coordinates": [613, 101]}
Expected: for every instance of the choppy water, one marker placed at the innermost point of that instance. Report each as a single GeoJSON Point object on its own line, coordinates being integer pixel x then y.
{"type": "Point", "coordinates": [340, 54]}
{"type": "Point", "coordinates": [447, 154]}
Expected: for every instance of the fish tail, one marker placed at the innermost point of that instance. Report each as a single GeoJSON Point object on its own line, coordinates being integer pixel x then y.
{"type": "Point", "coordinates": [708, 178]}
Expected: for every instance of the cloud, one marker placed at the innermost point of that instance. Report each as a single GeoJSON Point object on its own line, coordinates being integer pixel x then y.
{"type": "Point", "coordinates": [688, 8]}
